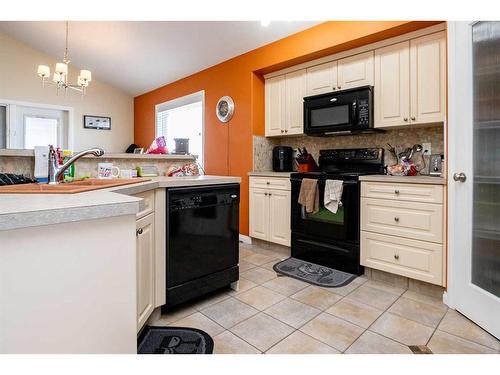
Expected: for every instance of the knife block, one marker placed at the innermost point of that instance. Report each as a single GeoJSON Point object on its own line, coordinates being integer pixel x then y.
{"type": "Point", "coordinates": [307, 165]}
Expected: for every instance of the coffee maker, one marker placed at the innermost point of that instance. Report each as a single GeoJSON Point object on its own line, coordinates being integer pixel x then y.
{"type": "Point", "coordinates": [282, 159]}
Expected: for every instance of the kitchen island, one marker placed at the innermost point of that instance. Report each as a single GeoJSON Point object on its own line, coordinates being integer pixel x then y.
{"type": "Point", "coordinates": [69, 271]}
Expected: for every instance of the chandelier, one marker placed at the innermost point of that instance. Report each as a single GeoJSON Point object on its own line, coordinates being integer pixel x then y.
{"type": "Point", "coordinates": [60, 78]}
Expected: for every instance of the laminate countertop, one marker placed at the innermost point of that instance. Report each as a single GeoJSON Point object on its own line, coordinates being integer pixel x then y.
{"type": "Point", "coordinates": [404, 179]}
{"type": "Point", "coordinates": [270, 174]}
{"type": "Point", "coordinates": [29, 210]}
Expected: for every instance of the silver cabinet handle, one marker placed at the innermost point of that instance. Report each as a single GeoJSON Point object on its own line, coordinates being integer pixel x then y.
{"type": "Point", "coordinates": [396, 256]}
{"type": "Point", "coordinates": [396, 219]}
{"type": "Point", "coordinates": [270, 194]}
{"type": "Point", "coordinates": [339, 87]}
{"type": "Point", "coordinates": [138, 231]}
{"type": "Point", "coordinates": [268, 183]}
{"type": "Point", "coordinates": [459, 177]}
{"type": "Point", "coordinates": [405, 119]}
{"type": "Point", "coordinates": [396, 192]}
{"type": "Point", "coordinates": [286, 130]}
{"type": "Point", "coordinates": [282, 131]}
{"type": "Point", "coordinates": [412, 118]}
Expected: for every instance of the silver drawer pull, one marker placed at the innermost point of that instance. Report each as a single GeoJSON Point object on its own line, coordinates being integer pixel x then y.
{"type": "Point", "coordinates": [396, 219]}
{"type": "Point", "coordinates": [268, 183]}
{"type": "Point", "coordinates": [396, 192]}
{"type": "Point", "coordinates": [138, 231]}
{"type": "Point", "coordinates": [396, 256]}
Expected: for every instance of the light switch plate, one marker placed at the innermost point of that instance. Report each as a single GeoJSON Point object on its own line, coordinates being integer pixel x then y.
{"type": "Point", "coordinates": [427, 148]}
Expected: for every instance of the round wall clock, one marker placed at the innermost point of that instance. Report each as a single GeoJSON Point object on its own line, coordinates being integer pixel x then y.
{"type": "Point", "coordinates": [225, 108]}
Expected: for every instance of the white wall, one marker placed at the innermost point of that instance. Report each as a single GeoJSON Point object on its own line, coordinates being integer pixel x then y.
{"type": "Point", "coordinates": [18, 81]}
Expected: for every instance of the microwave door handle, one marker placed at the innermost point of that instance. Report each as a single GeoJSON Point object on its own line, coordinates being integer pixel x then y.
{"type": "Point", "coordinates": [354, 119]}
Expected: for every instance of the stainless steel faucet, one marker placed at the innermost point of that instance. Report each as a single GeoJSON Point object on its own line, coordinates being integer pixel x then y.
{"type": "Point", "coordinates": [56, 171]}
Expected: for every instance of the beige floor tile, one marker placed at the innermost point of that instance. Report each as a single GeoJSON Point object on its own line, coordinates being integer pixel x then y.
{"type": "Point", "coordinates": [292, 312]}
{"type": "Point", "coordinates": [436, 302]}
{"type": "Point", "coordinates": [444, 343]}
{"type": "Point", "coordinates": [269, 266]}
{"type": "Point", "coordinates": [245, 266]}
{"type": "Point", "coordinates": [285, 285]}
{"type": "Point", "coordinates": [229, 312]}
{"type": "Point", "coordinates": [316, 297]}
{"type": "Point", "coordinates": [418, 311]}
{"type": "Point", "coordinates": [374, 297]}
{"type": "Point", "coordinates": [355, 312]}
{"type": "Point", "coordinates": [243, 285]}
{"type": "Point", "coordinates": [228, 343]}
{"type": "Point", "coordinates": [262, 331]}
{"type": "Point", "coordinates": [200, 321]}
{"type": "Point", "coordinates": [386, 287]}
{"type": "Point", "coordinates": [332, 331]}
{"type": "Point", "coordinates": [260, 298]}
{"type": "Point", "coordinates": [391, 278]}
{"type": "Point", "coordinates": [258, 275]}
{"type": "Point", "coordinates": [210, 300]}
{"type": "Point", "coordinates": [175, 314]}
{"type": "Point", "coordinates": [345, 290]}
{"type": "Point", "coordinates": [300, 343]}
{"type": "Point", "coordinates": [402, 330]}
{"type": "Point", "coordinates": [372, 343]}
{"type": "Point", "coordinates": [426, 288]}
{"type": "Point", "coordinates": [458, 325]}
{"type": "Point", "coordinates": [245, 252]}
{"type": "Point", "coordinates": [258, 259]}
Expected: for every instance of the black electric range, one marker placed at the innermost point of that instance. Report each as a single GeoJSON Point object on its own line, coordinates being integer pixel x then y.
{"type": "Point", "coordinates": [324, 238]}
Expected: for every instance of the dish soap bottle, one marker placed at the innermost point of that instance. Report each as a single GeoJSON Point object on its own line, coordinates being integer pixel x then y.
{"type": "Point", "coordinates": [69, 174]}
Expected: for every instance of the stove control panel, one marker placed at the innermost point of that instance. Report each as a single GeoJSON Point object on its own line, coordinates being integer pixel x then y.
{"type": "Point", "coordinates": [355, 155]}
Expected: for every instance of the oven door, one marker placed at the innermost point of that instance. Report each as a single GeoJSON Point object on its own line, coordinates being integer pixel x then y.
{"type": "Point", "coordinates": [330, 113]}
{"type": "Point", "coordinates": [342, 226]}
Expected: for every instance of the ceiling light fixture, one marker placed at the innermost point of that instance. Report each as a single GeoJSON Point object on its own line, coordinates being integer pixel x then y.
{"type": "Point", "coordinates": [265, 23]}
{"type": "Point", "coordinates": [60, 78]}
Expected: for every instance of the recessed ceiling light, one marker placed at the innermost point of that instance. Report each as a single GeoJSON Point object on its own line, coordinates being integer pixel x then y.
{"type": "Point", "coordinates": [264, 23]}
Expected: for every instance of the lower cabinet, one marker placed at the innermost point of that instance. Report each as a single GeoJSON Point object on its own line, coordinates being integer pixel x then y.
{"type": "Point", "coordinates": [145, 263]}
{"type": "Point", "coordinates": [270, 210]}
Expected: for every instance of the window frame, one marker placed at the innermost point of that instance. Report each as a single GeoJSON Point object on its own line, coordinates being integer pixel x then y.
{"type": "Point", "coordinates": [198, 96]}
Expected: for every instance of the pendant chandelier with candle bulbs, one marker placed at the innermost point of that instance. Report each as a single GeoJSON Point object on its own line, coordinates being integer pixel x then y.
{"type": "Point", "coordinates": [60, 77]}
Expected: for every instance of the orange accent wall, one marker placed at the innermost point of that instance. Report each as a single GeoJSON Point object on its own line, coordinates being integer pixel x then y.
{"type": "Point", "coordinates": [229, 147]}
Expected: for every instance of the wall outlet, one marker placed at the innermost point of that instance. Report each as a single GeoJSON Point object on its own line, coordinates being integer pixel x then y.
{"type": "Point", "coordinates": [427, 149]}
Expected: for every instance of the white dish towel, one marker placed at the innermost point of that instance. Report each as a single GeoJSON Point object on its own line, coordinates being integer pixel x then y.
{"type": "Point", "coordinates": [333, 195]}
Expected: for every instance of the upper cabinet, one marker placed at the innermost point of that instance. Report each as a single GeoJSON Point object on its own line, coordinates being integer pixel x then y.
{"type": "Point", "coordinates": [284, 103]}
{"type": "Point", "coordinates": [410, 82]}
{"type": "Point", "coordinates": [355, 71]}
{"type": "Point", "coordinates": [321, 78]}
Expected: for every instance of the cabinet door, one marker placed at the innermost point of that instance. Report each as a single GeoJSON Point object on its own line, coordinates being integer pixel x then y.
{"type": "Point", "coordinates": [428, 78]}
{"type": "Point", "coordinates": [392, 85]}
{"type": "Point", "coordinates": [295, 88]}
{"type": "Point", "coordinates": [145, 254]}
{"type": "Point", "coordinates": [275, 105]}
{"type": "Point", "coordinates": [355, 71]}
{"type": "Point", "coordinates": [279, 213]}
{"type": "Point", "coordinates": [321, 79]}
{"type": "Point", "coordinates": [259, 214]}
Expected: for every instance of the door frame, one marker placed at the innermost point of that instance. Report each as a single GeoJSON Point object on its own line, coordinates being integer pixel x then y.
{"type": "Point", "coordinates": [479, 305]}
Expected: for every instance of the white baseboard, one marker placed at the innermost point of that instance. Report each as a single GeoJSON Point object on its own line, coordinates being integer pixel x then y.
{"type": "Point", "coordinates": [245, 239]}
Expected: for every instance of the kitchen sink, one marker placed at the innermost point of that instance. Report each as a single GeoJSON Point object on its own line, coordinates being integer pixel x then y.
{"type": "Point", "coordinates": [69, 187]}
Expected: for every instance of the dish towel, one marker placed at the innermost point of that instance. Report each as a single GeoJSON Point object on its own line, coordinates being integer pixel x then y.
{"type": "Point", "coordinates": [309, 195]}
{"type": "Point", "coordinates": [333, 195]}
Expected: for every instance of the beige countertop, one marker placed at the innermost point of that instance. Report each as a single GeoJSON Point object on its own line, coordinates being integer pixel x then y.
{"type": "Point", "coordinates": [269, 174]}
{"type": "Point", "coordinates": [404, 179]}
{"type": "Point", "coordinates": [29, 210]}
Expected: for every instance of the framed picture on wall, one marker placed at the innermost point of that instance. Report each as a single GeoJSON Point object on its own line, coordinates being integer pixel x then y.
{"type": "Point", "coordinates": [97, 122]}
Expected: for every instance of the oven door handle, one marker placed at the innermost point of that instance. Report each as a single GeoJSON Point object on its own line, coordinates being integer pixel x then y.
{"type": "Point", "coordinates": [344, 182]}
{"type": "Point", "coordinates": [322, 244]}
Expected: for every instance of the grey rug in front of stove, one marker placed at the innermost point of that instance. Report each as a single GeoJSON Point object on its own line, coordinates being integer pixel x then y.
{"type": "Point", "coordinates": [174, 340]}
{"type": "Point", "coordinates": [313, 273]}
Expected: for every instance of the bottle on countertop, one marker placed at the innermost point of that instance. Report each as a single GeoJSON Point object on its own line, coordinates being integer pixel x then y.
{"type": "Point", "coordinates": [69, 174]}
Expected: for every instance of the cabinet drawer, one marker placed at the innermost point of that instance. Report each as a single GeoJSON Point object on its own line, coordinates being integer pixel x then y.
{"type": "Point", "coordinates": [420, 221]}
{"type": "Point", "coordinates": [281, 183]}
{"type": "Point", "coordinates": [147, 205]}
{"type": "Point", "coordinates": [415, 259]}
{"type": "Point", "coordinates": [403, 192]}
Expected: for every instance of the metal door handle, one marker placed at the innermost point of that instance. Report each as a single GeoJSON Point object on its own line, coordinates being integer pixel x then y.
{"type": "Point", "coordinates": [396, 256]}
{"type": "Point", "coordinates": [339, 87]}
{"type": "Point", "coordinates": [286, 130]}
{"type": "Point", "coordinates": [412, 118]}
{"type": "Point", "coordinates": [282, 131]}
{"type": "Point", "coordinates": [459, 177]}
{"type": "Point", "coordinates": [268, 183]}
{"type": "Point", "coordinates": [405, 119]}
{"type": "Point", "coordinates": [396, 219]}
{"type": "Point", "coordinates": [138, 231]}
{"type": "Point", "coordinates": [396, 192]}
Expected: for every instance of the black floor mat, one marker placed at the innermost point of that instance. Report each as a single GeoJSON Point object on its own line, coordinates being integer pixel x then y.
{"type": "Point", "coordinates": [313, 273]}
{"type": "Point", "coordinates": [174, 340]}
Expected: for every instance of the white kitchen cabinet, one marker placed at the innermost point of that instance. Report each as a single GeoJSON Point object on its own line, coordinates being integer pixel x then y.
{"type": "Point", "coordinates": [392, 85]}
{"type": "Point", "coordinates": [295, 90]}
{"type": "Point", "coordinates": [275, 105]}
{"type": "Point", "coordinates": [410, 82]}
{"type": "Point", "coordinates": [145, 263]}
{"type": "Point", "coordinates": [355, 71]}
{"type": "Point", "coordinates": [428, 78]}
{"type": "Point", "coordinates": [270, 210]}
{"type": "Point", "coordinates": [321, 79]}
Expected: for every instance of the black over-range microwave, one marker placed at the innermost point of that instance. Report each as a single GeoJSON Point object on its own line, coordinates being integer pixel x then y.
{"type": "Point", "coordinates": [340, 112]}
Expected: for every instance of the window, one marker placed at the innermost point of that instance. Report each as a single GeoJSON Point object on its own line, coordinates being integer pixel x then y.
{"type": "Point", "coordinates": [182, 118]}
{"type": "Point", "coordinates": [40, 131]}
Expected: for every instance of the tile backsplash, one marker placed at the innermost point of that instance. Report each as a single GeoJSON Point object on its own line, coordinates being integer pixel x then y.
{"type": "Point", "coordinates": [262, 146]}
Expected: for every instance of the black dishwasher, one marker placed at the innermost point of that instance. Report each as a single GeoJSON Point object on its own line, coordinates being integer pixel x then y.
{"type": "Point", "coordinates": [202, 240]}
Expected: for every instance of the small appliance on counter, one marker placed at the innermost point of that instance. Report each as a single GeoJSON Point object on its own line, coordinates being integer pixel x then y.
{"type": "Point", "coordinates": [181, 146]}
{"type": "Point", "coordinates": [282, 159]}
